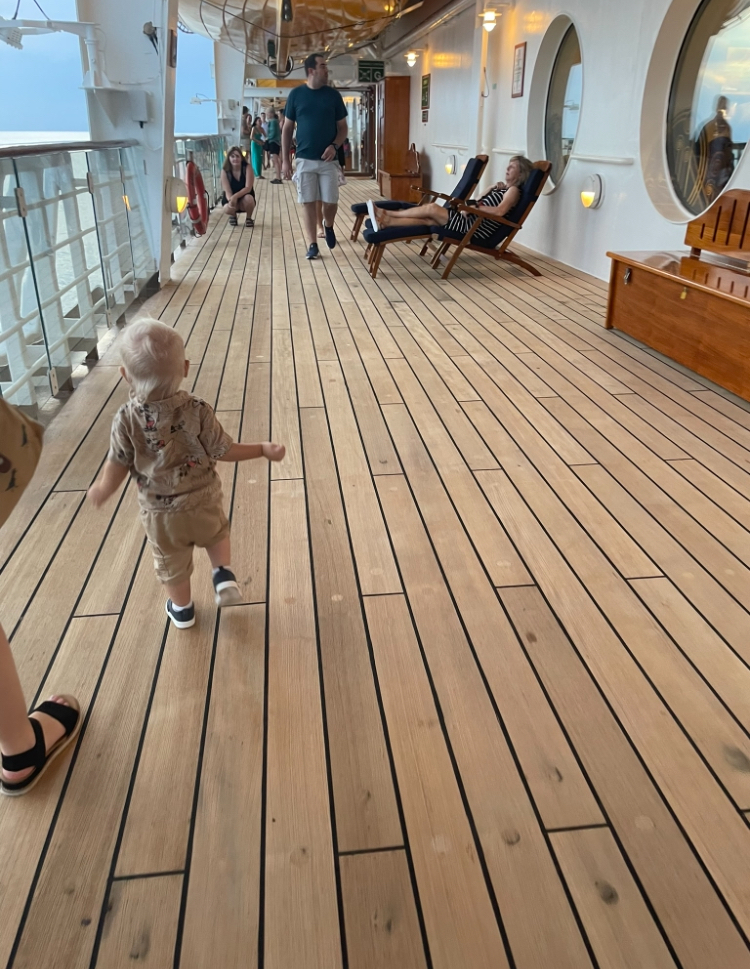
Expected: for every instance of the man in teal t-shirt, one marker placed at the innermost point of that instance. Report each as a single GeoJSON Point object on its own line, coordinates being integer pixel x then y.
{"type": "Point", "coordinates": [320, 115]}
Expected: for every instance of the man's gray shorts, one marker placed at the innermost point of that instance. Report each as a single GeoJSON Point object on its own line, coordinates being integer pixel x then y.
{"type": "Point", "coordinates": [317, 180]}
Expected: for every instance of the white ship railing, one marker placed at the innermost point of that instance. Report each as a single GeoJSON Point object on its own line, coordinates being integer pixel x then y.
{"type": "Point", "coordinates": [75, 252]}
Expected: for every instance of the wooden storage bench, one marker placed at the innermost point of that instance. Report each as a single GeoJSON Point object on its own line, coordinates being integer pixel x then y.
{"type": "Point", "coordinates": [693, 308]}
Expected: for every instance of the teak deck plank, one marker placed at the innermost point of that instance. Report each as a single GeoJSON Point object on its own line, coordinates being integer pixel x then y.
{"type": "Point", "coordinates": [141, 925]}
{"type": "Point", "coordinates": [622, 932]}
{"type": "Point", "coordinates": [382, 929]}
{"type": "Point", "coordinates": [363, 794]}
{"type": "Point", "coordinates": [301, 916]}
{"type": "Point", "coordinates": [557, 784]}
{"type": "Point", "coordinates": [372, 551]}
{"type": "Point", "coordinates": [222, 908]}
{"type": "Point", "coordinates": [515, 851]}
{"type": "Point", "coordinates": [458, 913]}
{"type": "Point", "coordinates": [486, 701]}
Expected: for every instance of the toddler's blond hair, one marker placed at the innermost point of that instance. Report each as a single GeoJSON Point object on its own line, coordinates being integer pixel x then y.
{"type": "Point", "coordinates": [153, 356]}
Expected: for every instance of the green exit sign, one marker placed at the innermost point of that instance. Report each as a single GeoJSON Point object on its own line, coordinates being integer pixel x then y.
{"type": "Point", "coordinates": [371, 71]}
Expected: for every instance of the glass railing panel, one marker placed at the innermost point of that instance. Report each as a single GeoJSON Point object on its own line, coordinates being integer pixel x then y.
{"type": "Point", "coordinates": [65, 255]}
{"type": "Point", "coordinates": [134, 186]}
{"type": "Point", "coordinates": [110, 212]}
{"type": "Point", "coordinates": [76, 247]}
{"type": "Point", "coordinates": [23, 353]}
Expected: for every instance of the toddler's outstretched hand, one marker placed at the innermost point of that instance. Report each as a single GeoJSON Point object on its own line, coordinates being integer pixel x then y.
{"type": "Point", "coordinates": [274, 452]}
{"type": "Point", "coordinates": [97, 495]}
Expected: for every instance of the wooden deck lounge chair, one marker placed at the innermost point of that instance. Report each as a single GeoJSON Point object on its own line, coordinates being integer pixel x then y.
{"type": "Point", "coordinates": [468, 182]}
{"type": "Point", "coordinates": [496, 246]}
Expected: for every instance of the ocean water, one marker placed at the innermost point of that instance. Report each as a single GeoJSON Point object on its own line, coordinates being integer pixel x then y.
{"type": "Point", "coordinates": [15, 138]}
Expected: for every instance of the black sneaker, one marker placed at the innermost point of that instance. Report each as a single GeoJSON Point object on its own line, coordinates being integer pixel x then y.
{"type": "Point", "coordinates": [182, 618]}
{"type": "Point", "coordinates": [226, 587]}
{"type": "Point", "coordinates": [330, 236]}
{"type": "Point", "coordinates": [313, 252]}
{"type": "Point", "coordinates": [276, 181]}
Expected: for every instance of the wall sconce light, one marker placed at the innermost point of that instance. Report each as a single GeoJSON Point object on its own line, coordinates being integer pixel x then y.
{"type": "Point", "coordinates": [411, 57]}
{"type": "Point", "coordinates": [592, 193]}
{"type": "Point", "coordinates": [450, 165]}
{"type": "Point", "coordinates": [490, 20]}
{"type": "Point", "coordinates": [176, 196]}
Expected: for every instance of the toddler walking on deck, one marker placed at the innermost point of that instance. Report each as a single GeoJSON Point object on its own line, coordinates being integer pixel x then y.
{"type": "Point", "coordinates": [170, 442]}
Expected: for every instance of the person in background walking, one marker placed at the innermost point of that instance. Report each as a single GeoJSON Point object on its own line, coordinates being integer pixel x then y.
{"type": "Point", "coordinates": [257, 143]}
{"type": "Point", "coordinates": [245, 129]}
{"type": "Point", "coordinates": [264, 126]}
{"type": "Point", "coordinates": [320, 115]}
{"type": "Point", "coordinates": [273, 145]}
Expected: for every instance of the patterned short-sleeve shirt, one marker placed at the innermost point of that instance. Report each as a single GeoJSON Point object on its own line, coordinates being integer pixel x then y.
{"type": "Point", "coordinates": [171, 448]}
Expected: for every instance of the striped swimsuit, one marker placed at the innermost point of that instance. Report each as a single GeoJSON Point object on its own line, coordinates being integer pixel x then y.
{"type": "Point", "coordinates": [462, 222]}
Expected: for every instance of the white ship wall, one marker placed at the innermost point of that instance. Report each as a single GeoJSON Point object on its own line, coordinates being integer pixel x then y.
{"type": "Point", "coordinates": [617, 43]}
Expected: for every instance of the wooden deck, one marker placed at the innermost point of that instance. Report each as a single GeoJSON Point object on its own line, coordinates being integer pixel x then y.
{"type": "Point", "coordinates": [487, 703]}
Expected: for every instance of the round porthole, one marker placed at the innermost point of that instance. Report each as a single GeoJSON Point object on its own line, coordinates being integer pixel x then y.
{"type": "Point", "coordinates": [695, 119]}
{"type": "Point", "coordinates": [708, 118]}
{"type": "Point", "coordinates": [563, 104]}
{"type": "Point", "coordinates": [555, 97]}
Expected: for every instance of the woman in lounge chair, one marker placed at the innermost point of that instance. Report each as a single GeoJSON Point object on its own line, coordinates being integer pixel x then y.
{"type": "Point", "coordinates": [499, 200]}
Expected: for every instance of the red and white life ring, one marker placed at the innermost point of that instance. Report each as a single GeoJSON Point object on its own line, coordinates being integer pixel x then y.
{"type": "Point", "coordinates": [198, 204]}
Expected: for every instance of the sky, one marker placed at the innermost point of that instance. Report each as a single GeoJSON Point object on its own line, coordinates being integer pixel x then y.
{"type": "Point", "coordinates": [46, 77]}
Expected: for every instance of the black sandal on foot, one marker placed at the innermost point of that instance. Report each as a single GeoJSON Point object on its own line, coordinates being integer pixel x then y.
{"type": "Point", "coordinates": [233, 220]}
{"type": "Point", "coordinates": [39, 757]}
{"type": "Point", "coordinates": [249, 223]}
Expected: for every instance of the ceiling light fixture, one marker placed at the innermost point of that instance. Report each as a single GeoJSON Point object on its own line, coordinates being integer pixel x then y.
{"type": "Point", "coordinates": [490, 20]}
{"type": "Point", "coordinates": [411, 57]}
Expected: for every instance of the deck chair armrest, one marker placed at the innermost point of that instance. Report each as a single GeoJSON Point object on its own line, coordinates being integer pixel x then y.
{"type": "Point", "coordinates": [476, 210]}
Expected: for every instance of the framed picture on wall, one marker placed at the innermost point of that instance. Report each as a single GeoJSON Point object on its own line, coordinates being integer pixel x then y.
{"type": "Point", "coordinates": [425, 91]}
{"type": "Point", "coordinates": [519, 70]}
{"type": "Point", "coordinates": [425, 116]}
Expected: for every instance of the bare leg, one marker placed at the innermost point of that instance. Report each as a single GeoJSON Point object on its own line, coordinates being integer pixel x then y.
{"type": "Point", "coordinates": [221, 554]}
{"type": "Point", "coordinates": [319, 216]}
{"type": "Point", "coordinates": [310, 218]}
{"type": "Point", "coordinates": [329, 212]}
{"type": "Point", "coordinates": [277, 164]}
{"type": "Point", "coordinates": [429, 214]}
{"type": "Point", "coordinates": [247, 205]}
{"type": "Point", "coordinates": [16, 735]}
{"type": "Point", "coordinates": [179, 592]}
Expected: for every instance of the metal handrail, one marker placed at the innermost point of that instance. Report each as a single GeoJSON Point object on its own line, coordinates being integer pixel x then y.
{"type": "Point", "coordinates": [24, 151]}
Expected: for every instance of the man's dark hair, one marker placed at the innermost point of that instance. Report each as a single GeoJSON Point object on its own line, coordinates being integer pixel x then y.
{"type": "Point", "coordinates": [245, 110]}
{"type": "Point", "coordinates": [311, 62]}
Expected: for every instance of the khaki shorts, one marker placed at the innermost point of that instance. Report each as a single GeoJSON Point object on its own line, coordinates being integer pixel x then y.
{"type": "Point", "coordinates": [172, 536]}
{"type": "Point", "coordinates": [317, 180]}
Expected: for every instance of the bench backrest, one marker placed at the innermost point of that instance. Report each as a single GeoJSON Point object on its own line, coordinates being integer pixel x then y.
{"type": "Point", "coordinates": [724, 228]}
